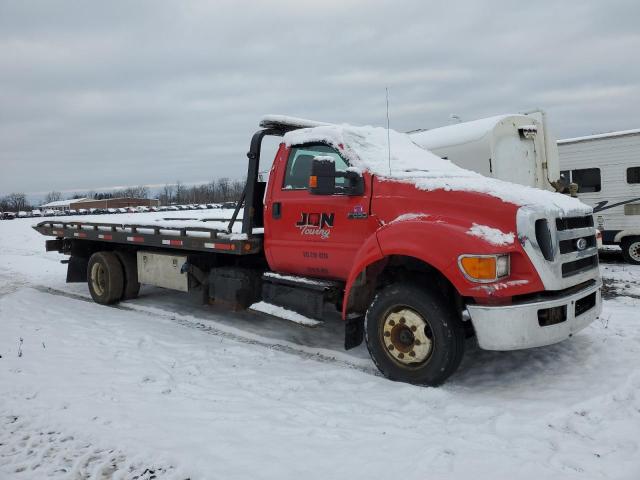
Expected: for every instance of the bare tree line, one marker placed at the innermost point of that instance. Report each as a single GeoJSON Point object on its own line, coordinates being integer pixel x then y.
{"type": "Point", "coordinates": [216, 191]}
{"type": "Point", "coordinates": [14, 202]}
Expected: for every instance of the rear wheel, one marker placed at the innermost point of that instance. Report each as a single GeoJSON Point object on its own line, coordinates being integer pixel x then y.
{"type": "Point", "coordinates": [413, 336]}
{"type": "Point", "coordinates": [130, 267]}
{"type": "Point", "coordinates": [105, 277]}
{"type": "Point", "coordinates": [631, 250]}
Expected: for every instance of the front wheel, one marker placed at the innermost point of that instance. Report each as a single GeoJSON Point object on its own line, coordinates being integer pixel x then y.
{"type": "Point", "coordinates": [413, 336]}
{"type": "Point", "coordinates": [631, 250]}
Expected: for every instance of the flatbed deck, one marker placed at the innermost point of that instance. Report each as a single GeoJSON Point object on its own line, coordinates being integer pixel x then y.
{"type": "Point", "coordinates": [171, 233]}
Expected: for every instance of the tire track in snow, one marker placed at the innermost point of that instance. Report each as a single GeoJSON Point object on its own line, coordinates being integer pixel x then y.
{"type": "Point", "coordinates": [319, 355]}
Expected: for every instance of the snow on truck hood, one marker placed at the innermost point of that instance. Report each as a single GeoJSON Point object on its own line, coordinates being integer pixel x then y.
{"type": "Point", "coordinates": [367, 148]}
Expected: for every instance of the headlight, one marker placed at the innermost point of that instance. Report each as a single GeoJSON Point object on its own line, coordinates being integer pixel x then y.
{"type": "Point", "coordinates": [484, 268]}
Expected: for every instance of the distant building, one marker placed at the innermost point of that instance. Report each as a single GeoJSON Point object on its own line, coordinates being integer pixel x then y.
{"type": "Point", "coordinates": [61, 205]}
{"type": "Point", "coordinates": [88, 203]}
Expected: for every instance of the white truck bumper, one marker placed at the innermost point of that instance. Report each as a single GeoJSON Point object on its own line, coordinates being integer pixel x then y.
{"type": "Point", "coordinates": [519, 325]}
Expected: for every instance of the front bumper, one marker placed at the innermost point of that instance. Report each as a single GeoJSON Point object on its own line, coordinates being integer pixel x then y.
{"type": "Point", "coordinates": [517, 326]}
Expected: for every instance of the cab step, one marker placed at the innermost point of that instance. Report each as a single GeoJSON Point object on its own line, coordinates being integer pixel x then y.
{"type": "Point", "coordinates": [284, 313]}
{"type": "Point", "coordinates": [302, 295]}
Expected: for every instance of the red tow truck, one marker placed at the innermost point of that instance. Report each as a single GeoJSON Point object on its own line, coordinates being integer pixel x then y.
{"type": "Point", "coordinates": [416, 253]}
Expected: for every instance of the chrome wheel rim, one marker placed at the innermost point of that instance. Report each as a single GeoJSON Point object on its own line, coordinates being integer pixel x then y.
{"type": "Point", "coordinates": [98, 279]}
{"type": "Point", "coordinates": [407, 337]}
{"type": "Point", "coordinates": [634, 251]}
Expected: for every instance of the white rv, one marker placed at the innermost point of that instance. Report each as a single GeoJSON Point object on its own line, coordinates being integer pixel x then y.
{"type": "Point", "coordinates": [517, 148]}
{"type": "Point", "coordinates": [606, 168]}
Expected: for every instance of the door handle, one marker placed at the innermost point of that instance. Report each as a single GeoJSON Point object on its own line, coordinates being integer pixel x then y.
{"type": "Point", "coordinates": [277, 210]}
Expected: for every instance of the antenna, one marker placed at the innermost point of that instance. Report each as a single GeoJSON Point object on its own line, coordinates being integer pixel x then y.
{"type": "Point", "coordinates": [388, 134]}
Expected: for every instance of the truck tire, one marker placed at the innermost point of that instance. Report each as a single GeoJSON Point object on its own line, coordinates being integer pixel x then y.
{"type": "Point", "coordinates": [631, 250]}
{"type": "Point", "coordinates": [130, 268]}
{"type": "Point", "coordinates": [105, 277]}
{"type": "Point", "coordinates": [413, 336]}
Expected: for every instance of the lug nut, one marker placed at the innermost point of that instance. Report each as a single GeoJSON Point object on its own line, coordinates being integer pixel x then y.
{"type": "Point", "coordinates": [391, 347]}
{"type": "Point", "coordinates": [402, 320]}
{"type": "Point", "coordinates": [413, 328]}
{"type": "Point", "coordinates": [401, 355]}
{"type": "Point", "coordinates": [387, 334]}
{"type": "Point", "coordinates": [412, 353]}
{"type": "Point", "coordinates": [416, 341]}
{"type": "Point", "coordinates": [392, 323]}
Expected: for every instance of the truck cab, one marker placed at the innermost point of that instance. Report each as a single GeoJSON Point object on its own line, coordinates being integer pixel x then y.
{"type": "Point", "coordinates": [519, 264]}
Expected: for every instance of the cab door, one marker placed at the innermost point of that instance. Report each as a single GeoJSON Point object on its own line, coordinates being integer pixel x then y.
{"type": "Point", "coordinates": [313, 235]}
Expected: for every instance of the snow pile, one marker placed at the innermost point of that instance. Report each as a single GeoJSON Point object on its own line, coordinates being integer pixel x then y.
{"type": "Point", "coordinates": [491, 235]}
{"type": "Point", "coordinates": [194, 219]}
{"type": "Point", "coordinates": [367, 148]}
{"type": "Point", "coordinates": [393, 155]}
{"type": "Point", "coordinates": [271, 120]}
{"type": "Point", "coordinates": [284, 313]}
{"type": "Point", "coordinates": [296, 279]}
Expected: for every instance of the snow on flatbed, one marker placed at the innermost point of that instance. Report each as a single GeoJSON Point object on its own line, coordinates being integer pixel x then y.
{"type": "Point", "coordinates": [159, 385]}
{"type": "Point", "coordinates": [214, 219]}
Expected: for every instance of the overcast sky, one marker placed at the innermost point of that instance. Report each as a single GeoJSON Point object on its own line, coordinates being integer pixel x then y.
{"type": "Point", "coordinates": [98, 94]}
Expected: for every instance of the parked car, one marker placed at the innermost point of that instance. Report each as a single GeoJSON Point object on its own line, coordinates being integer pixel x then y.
{"type": "Point", "coordinates": [36, 213]}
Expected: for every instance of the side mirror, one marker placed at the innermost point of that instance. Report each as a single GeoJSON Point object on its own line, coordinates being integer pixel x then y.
{"type": "Point", "coordinates": [323, 179]}
{"type": "Point", "coordinates": [323, 176]}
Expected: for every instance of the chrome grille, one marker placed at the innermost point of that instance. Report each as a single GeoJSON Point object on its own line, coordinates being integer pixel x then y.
{"type": "Point", "coordinates": [570, 223]}
{"type": "Point", "coordinates": [576, 232]}
{"type": "Point", "coordinates": [563, 249]}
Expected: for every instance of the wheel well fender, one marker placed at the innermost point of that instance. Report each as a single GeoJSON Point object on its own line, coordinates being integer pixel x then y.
{"type": "Point", "coordinates": [401, 245]}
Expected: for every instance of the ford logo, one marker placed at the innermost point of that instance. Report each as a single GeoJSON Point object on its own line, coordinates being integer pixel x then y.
{"type": "Point", "coordinates": [581, 243]}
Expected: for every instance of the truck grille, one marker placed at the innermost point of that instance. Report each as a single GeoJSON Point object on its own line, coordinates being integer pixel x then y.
{"type": "Point", "coordinates": [574, 222]}
{"type": "Point", "coordinates": [576, 244]}
{"type": "Point", "coordinates": [568, 246]}
{"type": "Point", "coordinates": [563, 249]}
{"type": "Point", "coordinates": [577, 266]}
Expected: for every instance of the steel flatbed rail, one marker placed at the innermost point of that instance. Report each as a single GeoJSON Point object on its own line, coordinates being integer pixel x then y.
{"type": "Point", "coordinates": [200, 239]}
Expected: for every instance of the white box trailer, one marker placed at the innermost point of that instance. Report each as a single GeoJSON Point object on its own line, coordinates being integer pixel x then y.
{"type": "Point", "coordinates": [516, 148]}
{"type": "Point", "coordinates": [606, 168]}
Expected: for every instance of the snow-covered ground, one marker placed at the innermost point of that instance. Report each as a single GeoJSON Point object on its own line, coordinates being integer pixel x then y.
{"type": "Point", "coordinates": [158, 387]}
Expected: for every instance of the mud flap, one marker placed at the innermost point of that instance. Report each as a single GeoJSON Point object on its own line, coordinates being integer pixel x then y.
{"type": "Point", "coordinates": [353, 332]}
{"type": "Point", "coordinates": [76, 269]}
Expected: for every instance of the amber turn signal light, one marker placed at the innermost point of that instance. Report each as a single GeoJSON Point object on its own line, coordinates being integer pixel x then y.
{"type": "Point", "coordinates": [313, 181]}
{"type": "Point", "coordinates": [484, 268]}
